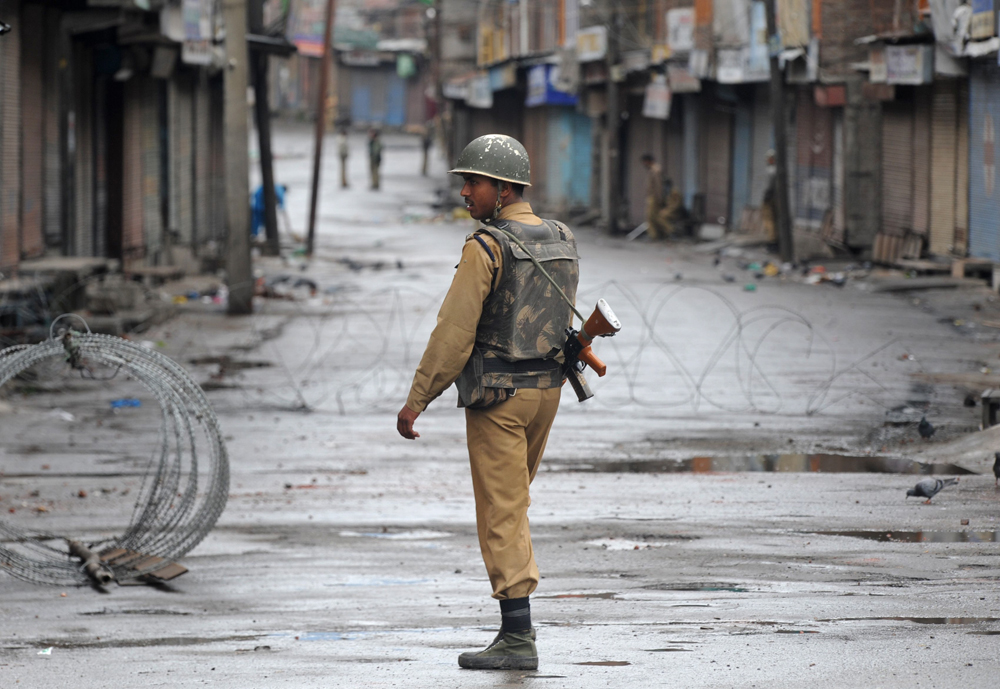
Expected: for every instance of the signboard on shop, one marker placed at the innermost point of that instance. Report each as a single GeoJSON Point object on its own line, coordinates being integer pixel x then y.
{"type": "Point", "coordinates": [982, 19]}
{"type": "Point", "coordinates": [681, 80]}
{"type": "Point", "coordinates": [680, 29]}
{"type": "Point", "coordinates": [305, 26]}
{"type": "Point", "coordinates": [909, 64]}
{"type": "Point", "coordinates": [592, 43]}
{"type": "Point", "coordinates": [656, 106]}
{"type": "Point", "coordinates": [480, 94]}
{"type": "Point", "coordinates": [503, 76]}
{"type": "Point", "coordinates": [197, 46]}
{"type": "Point", "coordinates": [542, 80]}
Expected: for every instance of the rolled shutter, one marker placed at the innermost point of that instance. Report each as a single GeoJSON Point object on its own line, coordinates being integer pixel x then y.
{"type": "Point", "coordinates": [921, 160]}
{"type": "Point", "coordinates": [10, 141]}
{"type": "Point", "coordinates": [152, 208]}
{"type": "Point", "coordinates": [944, 144]}
{"type": "Point", "coordinates": [984, 197]}
{"type": "Point", "coordinates": [83, 156]}
{"type": "Point", "coordinates": [132, 237]}
{"type": "Point", "coordinates": [32, 140]}
{"type": "Point", "coordinates": [718, 149]}
{"type": "Point", "coordinates": [897, 168]}
{"type": "Point", "coordinates": [53, 211]}
{"type": "Point", "coordinates": [962, 172]}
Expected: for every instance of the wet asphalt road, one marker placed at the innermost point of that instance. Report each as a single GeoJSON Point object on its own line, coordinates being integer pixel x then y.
{"type": "Point", "coordinates": [348, 556]}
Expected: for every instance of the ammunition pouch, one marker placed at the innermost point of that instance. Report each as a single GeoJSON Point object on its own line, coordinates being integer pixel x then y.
{"type": "Point", "coordinates": [474, 394]}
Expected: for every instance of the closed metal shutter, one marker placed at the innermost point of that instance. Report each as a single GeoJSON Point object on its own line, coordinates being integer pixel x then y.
{"type": "Point", "coordinates": [152, 209]}
{"type": "Point", "coordinates": [962, 172]}
{"type": "Point", "coordinates": [691, 106]}
{"type": "Point", "coordinates": [984, 197]}
{"type": "Point", "coordinates": [535, 138]}
{"type": "Point", "coordinates": [897, 168]}
{"type": "Point", "coordinates": [837, 231]}
{"type": "Point", "coordinates": [53, 128]}
{"type": "Point", "coordinates": [201, 229]}
{"type": "Point", "coordinates": [717, 164]}
{"type": "Point", "coordinates": [642, 135]}
{"type": "Point", "coordinates": [763, 141]}
{"type": "Point", "coordinates": [217, 129]}
{"type": "Point", "coordinates": [921, 160]}
{"type": "Point", "coordinates": [100, 244]}
{"type": "Point", "coordinates": [10, 140]}
{"type": "Point", "coordinates": [814, 160]}
{"type": "Point", "coordinates": [32, 121]}
{"type": "Point", "coordinates": [580, 157]}
{"type": "Point", "coordinates": [83, 155]}
{"type": "Point", "coordinates": [568, 170]}
{"type": "Point", "coordinates": [944, 145]}
{"type": "Point", "coordinates": [742, 146]}
{"type": "Point", "coordinates": [132, 180]}
{"type": "Point", "coordinates": [181, 119]}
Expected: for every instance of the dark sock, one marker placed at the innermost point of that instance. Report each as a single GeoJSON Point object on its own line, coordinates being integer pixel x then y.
{"type": "Point", "coordinates": [516, 614]}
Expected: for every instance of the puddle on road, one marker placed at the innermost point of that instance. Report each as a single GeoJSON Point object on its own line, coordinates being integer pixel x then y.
{"type": "Point", "coordinates": [918, 536]}
{"type": "Point", "coordinates": [668, 650]}
{"type": "Point", "coordinates": [921, 620]}
{"type": "Point", "coordinates": [710, 587]}
{"type": "Point", "coordinates": [606, 663]}
{"type": "Point", "coordinates": [227, 363]}
{"type": "Point", "coordinates": [140, 643]}
{"type": "Point", "coordinates": [608, 595]}
{"type": "Point", "coordinates": [790, 463]}
{"type": "Point", "coordinates": [141, 611]}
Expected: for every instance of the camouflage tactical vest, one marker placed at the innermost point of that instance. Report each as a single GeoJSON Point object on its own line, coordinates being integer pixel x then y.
{"type": "Point", "coordinates": [523, 325]}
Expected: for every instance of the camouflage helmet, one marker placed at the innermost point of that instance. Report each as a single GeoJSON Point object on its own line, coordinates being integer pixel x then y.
{"type": "Point", "coordinates": [495, 155]}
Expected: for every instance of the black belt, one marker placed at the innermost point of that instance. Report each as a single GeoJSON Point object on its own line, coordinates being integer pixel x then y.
{"type": "Point", "coordinates": [497, 365]}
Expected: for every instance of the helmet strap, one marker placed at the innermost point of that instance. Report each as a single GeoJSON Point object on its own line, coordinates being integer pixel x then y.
{"type": "Point", "coordinates": [496, 209]}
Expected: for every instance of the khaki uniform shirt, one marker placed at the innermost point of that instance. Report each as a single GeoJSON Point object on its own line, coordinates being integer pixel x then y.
{"type": "Point", "coordinates": [655, 181]}
{"type": "Point", "coordinates": [455, 333]}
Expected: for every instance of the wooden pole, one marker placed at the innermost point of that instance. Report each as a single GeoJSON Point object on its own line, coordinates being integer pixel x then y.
{"type": "Point", "coordinates": [613, 121]}
{"type": "Point", "coordinates": [324, 76]}
{"type": "Point", "coordinates": [782, 217]}
{"type": "Point", "coordinates": [239, 275]}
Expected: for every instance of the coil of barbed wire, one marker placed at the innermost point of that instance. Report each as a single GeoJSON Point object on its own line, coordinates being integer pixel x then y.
{"type": "Point", "coordinates": [184, 487]}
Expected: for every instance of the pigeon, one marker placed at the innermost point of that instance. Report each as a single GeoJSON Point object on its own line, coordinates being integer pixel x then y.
{"type": "Point", "coordinates": [930, 487]}
{"type": "Point", "coordinates": [996, 467]}
{"type": "Point", "coordinates": [925, 428]}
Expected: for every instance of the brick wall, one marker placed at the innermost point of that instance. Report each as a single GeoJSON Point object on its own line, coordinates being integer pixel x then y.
{"type": "Point", "coordinates": [842, 22]}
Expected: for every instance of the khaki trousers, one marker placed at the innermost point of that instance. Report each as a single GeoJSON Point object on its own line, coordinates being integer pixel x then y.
{"type": "Point", "coordinates": [506, 444]}
{"type": "Point", "coordinates": [657, 228]}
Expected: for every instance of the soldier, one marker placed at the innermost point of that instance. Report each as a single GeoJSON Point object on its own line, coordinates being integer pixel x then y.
{"type": "Point", "coordinates": [656, 227]}
{"type": "Point", "coordinates": [374, 155]}
{"type": "Point", "coordinates": [499, 337]}
{"type": "Point", "coordinates": [343, 151]}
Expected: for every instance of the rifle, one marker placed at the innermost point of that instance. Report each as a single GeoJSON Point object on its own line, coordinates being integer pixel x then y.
{"type": "Point", "coordinates": [579, 355]}
{"type": "Point", "coordinates": [602, 323]}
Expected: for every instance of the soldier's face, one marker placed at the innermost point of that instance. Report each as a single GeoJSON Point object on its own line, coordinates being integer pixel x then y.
{"type": "Point", "coordinates": [480, 194]}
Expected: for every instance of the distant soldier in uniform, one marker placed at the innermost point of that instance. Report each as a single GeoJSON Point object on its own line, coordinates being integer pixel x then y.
{"type": "Point", "coordinates": [426, 139]}
{"type": "Point", "coordinates": [656, 227]}
{"type": "Point", "coordinates": [342, 151]}
{"type": "Point", "coordinates": [665, 212]}
{"type": "Point", "coordinates": [374, 154]}
{"type": "Point", "coordinates": [499, 336]}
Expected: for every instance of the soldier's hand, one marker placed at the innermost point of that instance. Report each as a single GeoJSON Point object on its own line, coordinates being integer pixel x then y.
{"type": "Point", "coordinates": [404, 423]}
